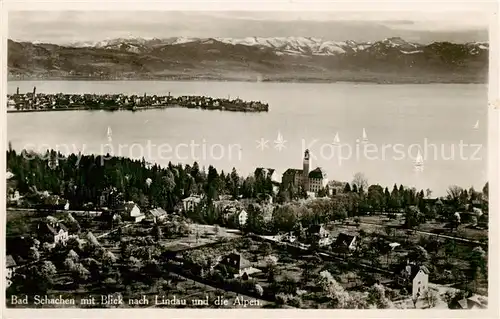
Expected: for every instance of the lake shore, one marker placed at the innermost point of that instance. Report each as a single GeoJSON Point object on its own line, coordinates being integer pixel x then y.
{"type": "Point", "coordinates": [349, 77]}
{"type": "Point", "coordinates": [144, 108]}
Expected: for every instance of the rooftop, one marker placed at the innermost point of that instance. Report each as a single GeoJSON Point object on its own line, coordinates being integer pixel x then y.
{"type": "Point", "coordinates": [192, 199]}
{"type": "Point", "coordinates": [317, 173]}
{"type": "Point", "coordinates": [10, 261]}
{"type": "Point", "coordinates": [344, 240]}
{"type": "Point", "coordinates": [54, 228]}
{"type": "Point", "coordinates": [129, 206]}
{"type": "Point", "coordinates": [292, 171]}
{"type": "Point", "coordinates": [157, 212]}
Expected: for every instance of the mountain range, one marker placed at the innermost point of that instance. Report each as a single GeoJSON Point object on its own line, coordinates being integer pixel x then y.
{"type": "Point", "coordinates": [391, 60]}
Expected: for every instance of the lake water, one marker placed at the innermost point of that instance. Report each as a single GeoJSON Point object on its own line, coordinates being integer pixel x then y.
{"type": "Point", "coordinates": [397, 119]}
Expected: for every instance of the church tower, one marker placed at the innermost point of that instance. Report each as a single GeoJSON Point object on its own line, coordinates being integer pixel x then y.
{"type": "Point", "coordinates": [305, 171]}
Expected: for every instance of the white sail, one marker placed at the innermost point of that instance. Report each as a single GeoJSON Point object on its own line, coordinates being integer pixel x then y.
{"type": "Point", "coordinates": [336, 140]}
{"type": "Point", "coordinates": [109, 133]}
{"type": "Point", "coordinates": [365, 137]}
{"type": "Point", "coordinates": [476, 126]}
{"type": "Point", "coordinates": [419, 162]}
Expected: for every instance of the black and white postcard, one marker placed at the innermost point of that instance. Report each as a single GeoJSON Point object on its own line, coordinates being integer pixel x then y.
{"type": "Point", "coordinates": [206, 156]}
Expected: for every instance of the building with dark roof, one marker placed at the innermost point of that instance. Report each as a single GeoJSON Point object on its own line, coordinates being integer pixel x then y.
{"type": "Point", "coordinates": [53, 232]}
{"type": "Point", "coordinates": [133, 212]}
{"type": "Point", "coordinates": [10, 262]}
{"type": "Point", "coordinates": [266, 173]}
{"type": "Point", "coordinates": [158, 214]}
{"type": "Point", "coordinates": [317, 178]}
{"type": "Point", "coordinates": [239, 266]}
{"type": "Point", "coordinates": [345, 243]}
{"type": "Point", "coordinates": [10, 265]}
{"type": "Point", "coordinates": [311, 181]}
{"type": "Point", "coordinates": [318, 234]}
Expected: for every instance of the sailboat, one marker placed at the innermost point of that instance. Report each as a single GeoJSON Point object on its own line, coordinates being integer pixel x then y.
{"type": "Point", "coordinates": [419, 162]}
{"type": "Point", "coordinates": [109, 133]}
{"type": "Point", "coordinates": [336, 140]}
{"type": "Point", "coordinates": [365, 137]}
{"type": "Point", "coordinates": [476, 126]}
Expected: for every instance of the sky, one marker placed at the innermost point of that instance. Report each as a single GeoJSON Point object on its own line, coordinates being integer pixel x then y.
{"type": "Point", "coordinates": [63, 27]}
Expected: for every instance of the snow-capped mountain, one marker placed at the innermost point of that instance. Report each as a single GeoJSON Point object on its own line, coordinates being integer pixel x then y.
{"type": "Point", "coordinates": [273, 58]}
{"type": "Point", "coordinates": [281, 45]}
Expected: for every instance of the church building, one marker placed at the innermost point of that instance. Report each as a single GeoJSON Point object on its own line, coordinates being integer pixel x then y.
{"type": "Point", "coordinates": [311, 181]}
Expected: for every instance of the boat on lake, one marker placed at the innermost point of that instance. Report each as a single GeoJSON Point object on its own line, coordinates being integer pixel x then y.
{"type": "Point", "coordinates": [109, 133]}
{"type": "Point", "coordinates": [336, 140]}
{"type": "Point", "coordinates": [419, 162]}
{"type": "Point", "coordinates": [365, 137]}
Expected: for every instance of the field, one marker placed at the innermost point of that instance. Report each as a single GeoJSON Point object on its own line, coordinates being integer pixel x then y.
{"type": "Point", "coordinates": [285, 272]}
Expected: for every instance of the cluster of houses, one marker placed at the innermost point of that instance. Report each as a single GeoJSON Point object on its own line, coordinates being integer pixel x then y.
{"type": "Point", "coordinates": [413, 277]}
{"type": "Point", "coordinates": [53, 231]}
{"type": "Point", "coordinates": [37, 101]}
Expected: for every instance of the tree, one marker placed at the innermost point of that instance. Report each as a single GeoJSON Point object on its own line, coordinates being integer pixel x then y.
{"type": "Point", "coordinates": [94, 267]}
{"type": "Point", "coordinates": [108, 258]}
{"type": "Point", "coordinates": [271, 263]}
{"type": "Point", "coordinates": [395, 201]}
{"type": "Point", "coordinates": [428, 193]}
{"type": "Point", "coordinates": [431, 297]}
{"type": "Point", "coordinates": [477, 261]}
{"type": "Point", "coordinates": [454, 194]}
{"type": "Point", "coordinates": [486, 191]}
{"type": "Point", "coordinates": [255, 222]}
{"type": "Point", "coordinates": [69, 264]}
{"type": "Point", "coordinates": [419, 255]}
{"type": "Point", "coordinates": [46, 247]}
{"type": "Point", "coordinates": [360, 181]}
{"type": "Point", "coordinates": [413, 217]}
{"type": "Point", "coordinates": [354, 188]}
{"type": "Point", "coordinates": [152, 269]}
{"type": "Point", "coordinates": [266, 248]}
{"type": "Point", "coordinates": [34, 254]}
{"type": "Point", "coordinates": [80, 273]}
{"type": "Point", "coordinates": [73, 255]}
{"type": "Point", "coordinates": [415, 300]}
{"type": "Point", "coordinates": [376, 197]}
{"type": "Point", "coordinates": [235, 183]}
{"type": "Point", "coordinates": [94, 243]}
{"type": "Point", "coordinates": [285, 217]}
{"type": "Point", "coordinates": [74, 244]}
{"type": "Point", "coordinates": [36, 243]}
{"type": "Point", "coordinates": [339, 298]}
{"type": "Point", "coordinates": [40, 278]}
{"type": "Point", "coordinates": [134, 264]}
{"type": "Point", "coordinates": [259, 290]}
{"type": "Point", "coordinates": [157, 233]}
{"type": "Point", "coordinates": [47, 271]}
{"type": "Point", "coordinates": [378, 297]}
{"type": "Point", "coordinates": [347, 188]}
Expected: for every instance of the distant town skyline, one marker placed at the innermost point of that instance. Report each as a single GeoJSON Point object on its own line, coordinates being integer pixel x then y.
{"type": "Point", "coordinates": [64, 27]}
